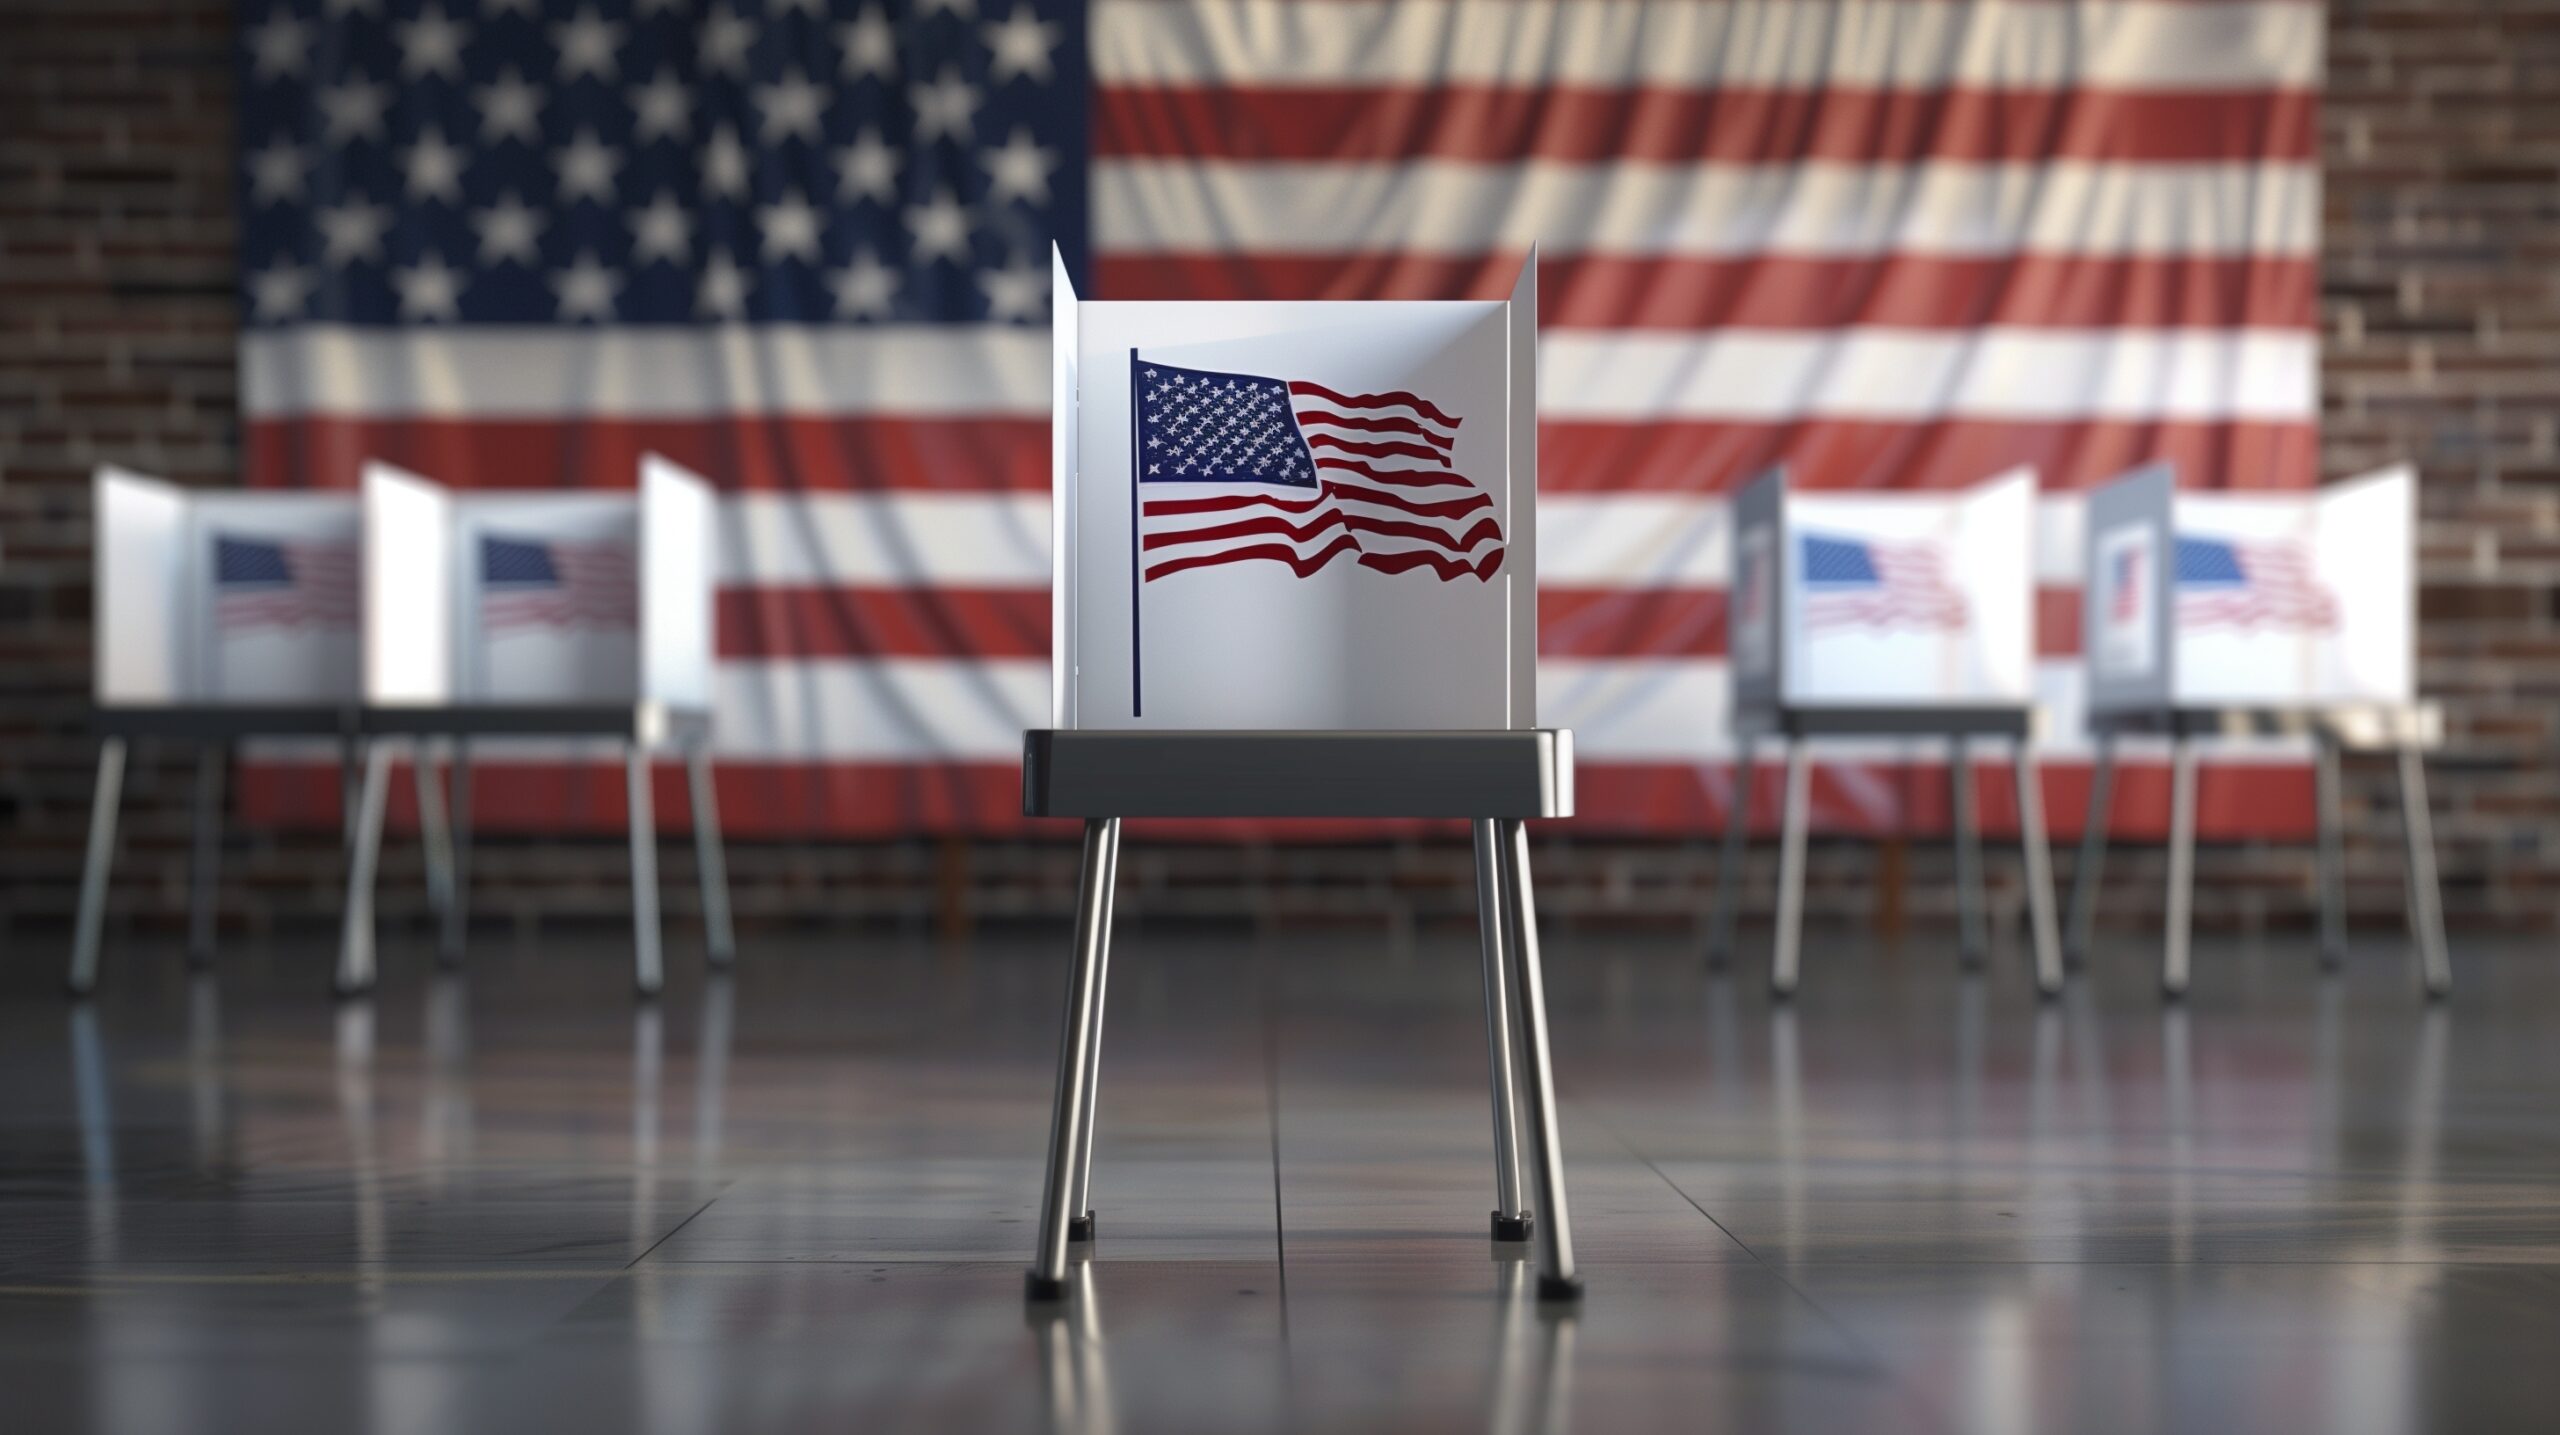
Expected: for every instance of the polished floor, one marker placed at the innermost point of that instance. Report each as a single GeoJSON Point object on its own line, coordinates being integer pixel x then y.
{"type": "Point", "coordinates": [802, 1199]}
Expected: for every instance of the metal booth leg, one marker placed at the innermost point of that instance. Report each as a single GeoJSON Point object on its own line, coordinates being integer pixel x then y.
{"type": "Point", "coordinates": [1553, 1227]}
{"type": "Point", "coordinates": [2093, 852]}
{"type": "Point", "coordinates": [93, 872]}
{"type": "Point", "coordinates": [205, 868]}
{"type": "Point", "coordinates": [1970, 938]}
{"type": "Point", "coordinates": [457, 908]}
{"type": "Point", "coordinates": [1787, 958]}
{"type": "Point", "coordinates": [2039, 864]}
{"type": "Point", "coordinates": [721, 939]}
{"type": "Point", "coordinates": [355, 942]}
{"type": "Point", "coordinates": [433, 833]}
{"type": "Point", "coordinates": [1047, 1278]}
{"type": "Point", "coordinates": [2425, 900]}
{"type": "Point", "coordinates": [2182, 866]}
{"type": "Point", "coordinates": [648, 969]}
{"type": "Point", "coordinates": [2331, 875]}
{"type": "Point", "coordinates": [1080, 1219]}
{"type": "Point", "coordinates": [1737, 831]}
{"type": "Point", "coordinates": [1511, 1222]}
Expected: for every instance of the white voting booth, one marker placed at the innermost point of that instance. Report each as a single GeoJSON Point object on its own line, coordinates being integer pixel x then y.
{"type": "Point", "coordinates": [2254, 613]}
{"type": "Point", "coordinates": [511, 615]}
{"type": "Point", "coordinates": [1885, 614]}
{"type": "Point", "coordinates": [220, 615]}
{"type": "Point", "coordinates": [1295, 576]}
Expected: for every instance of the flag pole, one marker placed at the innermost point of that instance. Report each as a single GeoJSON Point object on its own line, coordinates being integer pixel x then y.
{"type": "Point", "coordinates": [1137, 651]}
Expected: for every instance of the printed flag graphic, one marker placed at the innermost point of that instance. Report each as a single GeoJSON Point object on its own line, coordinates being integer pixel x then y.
{"type": "Point", "coordinates": [262, 583]}
{"type": "Point", "coordinates": [1233, 468]}
{"type": "Point", "coordinates": [532, 583]}
{"type": "Point", "coordinates": [1853, 583]}
{"type": "Point", "coordinates": [2224, 584]}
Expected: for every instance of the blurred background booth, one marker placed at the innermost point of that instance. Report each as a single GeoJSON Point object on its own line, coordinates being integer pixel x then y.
{"type": "Point", "coordinates": [1885, 615]}
{"type": "Point", "coordinates": [2230, 614]}
{"type": "Point", "coordinates": [514, 616]}
{"type": "Point", "coordinates": [220, 616]}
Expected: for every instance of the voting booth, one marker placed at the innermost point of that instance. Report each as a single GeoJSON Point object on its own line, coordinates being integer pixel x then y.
{"type": "Point", "coordinates": [515, 614]}
{"type": "Point", "coordinates": [2258, 613]}
{"type": "Point", "coordinates": [1295, 576]}
{"type": "Point", "coordinates": [220, 615]}
{"type": "Point", "coordinates": [1885, 614]}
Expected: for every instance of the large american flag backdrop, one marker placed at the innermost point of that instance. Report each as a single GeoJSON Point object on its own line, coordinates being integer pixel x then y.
{"type": "Point", "coordinates": [801, 246]}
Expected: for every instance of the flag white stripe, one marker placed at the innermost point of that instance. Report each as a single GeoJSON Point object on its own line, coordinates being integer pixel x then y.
{"type": "Point", "coordinates": [2019, 374]}
{"type": "Point", "coordinates": [493, 372]}
{"type": "Point", "coordinates": [2102, 208]}
{"type": "Point", "coordinates": [1000, 540]}
{"type": "Point", "coordinates": [1846, 44]}
{"type": "Point", "coordinates": [1600, 375]}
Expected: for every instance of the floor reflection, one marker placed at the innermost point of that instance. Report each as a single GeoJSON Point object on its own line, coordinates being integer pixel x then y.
{"type": "Point", "coordinates": [501, 1200]}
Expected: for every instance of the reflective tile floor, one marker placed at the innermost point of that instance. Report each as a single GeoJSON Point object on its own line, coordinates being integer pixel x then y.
{"type": "Point", "coordinates": [801, 1199]}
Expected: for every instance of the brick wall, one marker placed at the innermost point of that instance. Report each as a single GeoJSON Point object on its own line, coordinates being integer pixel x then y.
{"type": "Point", "coordinates": [2442, 304]}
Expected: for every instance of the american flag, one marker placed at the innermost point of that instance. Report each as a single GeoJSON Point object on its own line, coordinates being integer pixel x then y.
{"type": "Point", "coordinates": [801, 246]}
{"type": "Point", "coordinates": [1853, 583]}
{"type": "Point", "coordinates": [2226, 584]}
{"type": "Point", "coordinates": [536, 583]}
{"type": "Point", "coordinates": [2126, 603]}
{"type": "Point", "coordinates": [1237, 468]}
{"type": "Point", "coordinates": [268, 583]}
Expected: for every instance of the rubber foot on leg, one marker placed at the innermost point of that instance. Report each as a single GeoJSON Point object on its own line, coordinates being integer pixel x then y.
{"type": "Point", "coordinates": [1512, 1229]}
{"type": "Point", "coordinates": [1560, 1289]}
{"type": "Point", "coordinates": [1080, 1228]}
{"type": "Point", "coordinates": [1038, 1287]}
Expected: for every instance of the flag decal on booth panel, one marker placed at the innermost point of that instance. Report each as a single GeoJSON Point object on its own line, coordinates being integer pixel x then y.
{"type": "Point", "coordinates": [1233, 468]}
{"type": "Point", "coordinates": [798, 248]}
{"type": "Point", "coordinates": [536, 583]}
{"type": "Point", "coordinates": [2227, 584]}
{"type": "Point", "coordinates": [1854, 583]}
{"type": "Point", "coordinates": [264, 583]}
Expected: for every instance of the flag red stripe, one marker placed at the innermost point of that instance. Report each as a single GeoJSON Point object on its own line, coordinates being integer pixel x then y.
{"type": "Point", "coordinates": [1696, 456]}
{"type": "Point", "coordinates": [1485, 565]}
{"type": "Point", "coordinates": [1376, 450]}
{"type": "Point", "coordinates": [1385, 425]}
{"type": "Point", "coordinates": [861, 800]}
{"type": "Point", "coordinates": [1300, 564]}
{"type": "Point", "coordinates": [1395, 398]}
{"type": "Point", "coordinates": [1358, 493]}
{"type": "Point", "coordinates": [1776, 291]}
{"type": "Point", "coordinates": [1631, 622]}
{"type": "Point", "coordinates": [1502, 124]}
{"type": "Point", "coordinates": [1009, 455]}
{"type": "Point", "coordinates": [1399, 477]}
{"type": "Point", "coordinates": [999, 453]}
{"type": "Point", "coordinates": [1335, 518]}
{"type": "Point", "coordinates": [995, 623]}
{"type": "Point", "coordinates": [877, 622]}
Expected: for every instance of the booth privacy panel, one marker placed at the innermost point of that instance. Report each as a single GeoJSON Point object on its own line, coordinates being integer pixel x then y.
{"type": "Point", "coordinates": [2125, 600]}
{"type": "Point", "coordinates": [1303, 516]}
{"type": "Point", "coordinates": [224, 597]}
{"type": "Point", "coordinates": [411, 588]}
{"type": "Point", "coordinates": [2251, 600]}
{"type": "Point", "coordinates": [677, 522]}
{"type": "Point", "coordinates": [140, 570]}
{"type": "Point", "coordinates": [1910, 599]}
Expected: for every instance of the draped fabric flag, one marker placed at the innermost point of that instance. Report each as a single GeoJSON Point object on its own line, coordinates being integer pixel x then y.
{"type": "Point", "coordinates": [800, 246]}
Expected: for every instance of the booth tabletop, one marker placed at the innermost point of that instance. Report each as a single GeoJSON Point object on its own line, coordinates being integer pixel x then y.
{"type": "Point", "coordinates": [213, 721]}
{"type": "Point", "coordinates": [642, 722]}
{"type": "Point", "coordinates": [1897, 720]}
{"type": "Point", "coordinates": [1517, 774]}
